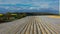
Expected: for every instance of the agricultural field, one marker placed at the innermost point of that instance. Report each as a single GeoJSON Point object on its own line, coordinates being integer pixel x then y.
{"type": "Point", "coordinates": [32, 25]}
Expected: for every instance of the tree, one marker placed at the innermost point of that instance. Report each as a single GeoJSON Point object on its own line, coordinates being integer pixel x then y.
{"type": "Point", "coordinates": [8, 15]}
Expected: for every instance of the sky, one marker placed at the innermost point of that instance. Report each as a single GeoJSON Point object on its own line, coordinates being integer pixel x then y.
{"type": "Point", "coordinates": [59, 6]}
{"type": "Point", "coordinates": [30, 4]}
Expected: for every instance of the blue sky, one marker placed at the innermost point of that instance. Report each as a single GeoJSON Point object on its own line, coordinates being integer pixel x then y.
{"type": "Point", "coordinates": [30, 4]}
{"type": "Point", "coordinates": [59, 6]}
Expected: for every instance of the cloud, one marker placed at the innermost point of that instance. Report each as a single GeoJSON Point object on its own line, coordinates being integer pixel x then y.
{"type": "Point", "coordinates": [14, 1]}
{"type": "Point", "coordinates": [59, 6]}
{"type": "Point", "coordinates": [23, 1]}
{"type": "Point", "coordinates": [44, 5]}
{"type": "Point", "coordinates": [53, 5]}
{"type": "Point", "coordinates": [31, 4]}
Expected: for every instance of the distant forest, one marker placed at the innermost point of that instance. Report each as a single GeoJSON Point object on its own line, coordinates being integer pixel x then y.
{"type": "Point", "coordinates": [35, 13]}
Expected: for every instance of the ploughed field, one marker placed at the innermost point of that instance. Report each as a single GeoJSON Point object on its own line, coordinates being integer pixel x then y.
{"type": "Point", "coordinates": [32, 25]}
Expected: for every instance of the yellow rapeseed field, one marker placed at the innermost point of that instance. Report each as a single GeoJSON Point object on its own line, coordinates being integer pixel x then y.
{"type": "Point", "coordinates": [54, 16]}
{"type": "Point", "coordinates": [1, 14]}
